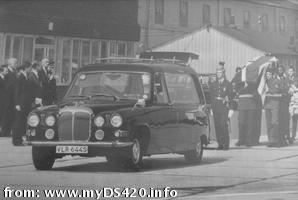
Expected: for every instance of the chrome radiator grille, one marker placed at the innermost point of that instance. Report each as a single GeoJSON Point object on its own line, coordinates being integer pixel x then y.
{"type": "Point", "coordinates": [74, 123]}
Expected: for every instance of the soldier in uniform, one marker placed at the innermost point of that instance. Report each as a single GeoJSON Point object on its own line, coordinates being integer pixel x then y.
{"type": "Point", "coordinates": [293, 89]}
{"type": "Point", "coordinates": [284, 126]}
{"type": "Point", "coordinates": [221, 94]}
{"type": "Point", "coordinates": [237, 84]}
{"type": "Point", "coordinates": [248, 112]}
{"type": "Point", "coordinates": [272, 107]}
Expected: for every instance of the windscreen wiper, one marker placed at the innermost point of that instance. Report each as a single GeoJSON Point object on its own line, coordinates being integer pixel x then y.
{"type": "Point", "coordinates": [116, 98]}
{"type": "Point", "coordinates": [79, 97]}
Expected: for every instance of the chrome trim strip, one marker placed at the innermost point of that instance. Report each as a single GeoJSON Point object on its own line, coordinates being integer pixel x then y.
{"type": "Point", "coordinates": [74, 143]}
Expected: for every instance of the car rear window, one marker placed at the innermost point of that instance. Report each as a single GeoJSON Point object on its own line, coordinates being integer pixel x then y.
{"type": "Point", "coordinates": [181, 88]}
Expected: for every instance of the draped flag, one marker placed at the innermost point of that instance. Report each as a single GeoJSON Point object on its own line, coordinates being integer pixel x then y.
{"type": "Point", "coordinates": [254, 71]}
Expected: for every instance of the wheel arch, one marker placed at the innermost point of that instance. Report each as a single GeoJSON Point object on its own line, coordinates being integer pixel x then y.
{"type": "Point", "coordinates": [144, 131]}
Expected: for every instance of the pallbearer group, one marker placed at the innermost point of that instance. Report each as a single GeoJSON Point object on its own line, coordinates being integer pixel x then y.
{"type": "Point", "coordinates": [278, 97]}
{"type": "Point", "coordinates": [23, 88]}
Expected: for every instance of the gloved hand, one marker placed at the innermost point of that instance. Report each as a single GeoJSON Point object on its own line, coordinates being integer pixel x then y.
{"type": "Point", "coordinates": [230, 114]}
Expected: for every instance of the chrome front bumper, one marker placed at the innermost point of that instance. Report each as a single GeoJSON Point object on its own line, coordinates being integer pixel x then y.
{"type": "Point", "coordinates": [115, 144]}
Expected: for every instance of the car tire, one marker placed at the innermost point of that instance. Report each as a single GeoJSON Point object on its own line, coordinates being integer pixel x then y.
{"type": "Point", "coordinates": [134, 161]}
{"type": "Point", "coordinates": [195, 156]}
{"type": "Point", "coordinates": [43, 157]}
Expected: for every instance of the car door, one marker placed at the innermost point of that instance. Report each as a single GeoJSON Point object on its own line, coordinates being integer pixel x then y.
{"type": "Point", "coordinates": [164, 128]}
{"type": "Point", "coordinates": [186, 101]}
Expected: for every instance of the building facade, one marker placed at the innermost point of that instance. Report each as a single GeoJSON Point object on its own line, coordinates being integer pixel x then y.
{"type": "Point", "coordinates": [71, 33]}
{"type": "Point", "coordinates": [165, 20]}
{"type": "Point", "coordinates": [233, 46]}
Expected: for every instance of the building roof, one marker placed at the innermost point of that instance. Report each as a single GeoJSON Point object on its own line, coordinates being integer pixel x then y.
{"type": "Point", "coordinates": [264, 41]}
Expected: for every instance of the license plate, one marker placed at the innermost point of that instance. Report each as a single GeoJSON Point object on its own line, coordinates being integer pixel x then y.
{"type": "Point", "coordinates": [72, 149]}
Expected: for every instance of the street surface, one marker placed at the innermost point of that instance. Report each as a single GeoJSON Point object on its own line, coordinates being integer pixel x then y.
{"type": "Point", "coordinates": [240, 173]}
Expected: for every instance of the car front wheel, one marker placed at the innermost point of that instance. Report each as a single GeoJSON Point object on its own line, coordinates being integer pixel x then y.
{"type": "Point", "coordinates": [43, 157]}
{"type": "Point", "coordinates": [135, 158]}
{"type": "Point", "coordinates": [195, 155]}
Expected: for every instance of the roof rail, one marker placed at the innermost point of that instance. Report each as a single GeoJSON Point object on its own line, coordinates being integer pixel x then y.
{"type": "Point", "coordinates": [139, 60]}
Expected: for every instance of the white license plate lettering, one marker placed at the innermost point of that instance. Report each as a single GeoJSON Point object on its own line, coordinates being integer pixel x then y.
{"type": "Point", "coordinates": [72, 149]}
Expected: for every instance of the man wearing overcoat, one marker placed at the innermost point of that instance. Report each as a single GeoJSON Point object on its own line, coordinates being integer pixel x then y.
{"type": "Point", "coordinates": [9, 110]}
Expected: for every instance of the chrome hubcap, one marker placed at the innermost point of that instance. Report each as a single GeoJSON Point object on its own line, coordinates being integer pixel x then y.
{"type": "Point", "coordinates": [136, 151]}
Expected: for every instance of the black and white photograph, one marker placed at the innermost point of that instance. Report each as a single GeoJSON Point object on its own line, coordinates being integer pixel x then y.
{"type": "Point", "coordinates": [149, 99]}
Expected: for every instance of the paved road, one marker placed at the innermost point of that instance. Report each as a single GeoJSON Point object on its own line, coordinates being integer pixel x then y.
{"type": "Point", "coordinates": [240, 173]}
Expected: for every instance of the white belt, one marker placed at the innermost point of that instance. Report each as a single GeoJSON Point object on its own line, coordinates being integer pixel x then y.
{"type": "Point", "coordinates": [246, 95]}
{"type": "Point", "coordinates": [273, 95]}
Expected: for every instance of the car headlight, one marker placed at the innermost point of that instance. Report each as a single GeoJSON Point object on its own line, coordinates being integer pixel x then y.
{"type": "Point", "coordinates": [50, 120]}
{"type": "Point", "coordinates": [99, 121]}
{"type": "Point", "coordinates": [116, 120]}
{"type": "Point", "coordinates": [33, 120]}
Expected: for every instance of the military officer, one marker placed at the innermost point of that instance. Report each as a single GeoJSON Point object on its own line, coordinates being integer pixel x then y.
{"type": "Point", "coordinates": [221, 95]}
{"type": "Point", "coordinates": [284, 126]}
{"type": "Point", "coordinates": [248, 112]}
{"type": "Point", "coordinates": [272, 107]}
{"type": "Point", "coordinates": [237, 84]}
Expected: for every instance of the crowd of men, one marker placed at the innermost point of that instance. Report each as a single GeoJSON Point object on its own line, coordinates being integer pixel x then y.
{"type": "Point", "coordinates": [23, 88]}
{"type": "Point", "coordinates": [280, 103]}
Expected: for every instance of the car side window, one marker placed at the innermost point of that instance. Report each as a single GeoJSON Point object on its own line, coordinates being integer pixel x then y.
{"type": "Point", "coordinates": [181, 88]}
{"type": "Point", "coordinates": [160, 93]}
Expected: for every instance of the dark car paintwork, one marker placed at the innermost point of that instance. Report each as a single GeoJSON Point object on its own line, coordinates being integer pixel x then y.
{"type": "Point", "coordinates": [169, 127]}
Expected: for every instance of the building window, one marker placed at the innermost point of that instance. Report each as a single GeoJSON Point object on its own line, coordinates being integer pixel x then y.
{"type": "Point", "coordinates": [95, 51]}
{"type": "Point", "coordinates": [246, 19]}
{"type": "Point", "coordinates": [227, 16]}
{"type": "Point", "coordinates": [206, 14]}
{"type": "Point", "coordinates": [17, 48]}
{"type": "Point", "coordinates": [130, 49]}
{"type": "Point", "coordinates": [113, 48]}
{"type": "Point", "coordinates": [104, 49]}
{"type": "Point", "coordinates": [76, 54]}
{"type": "Point", "coordinates": [121, 49]}
{"type": "Point", "coordinates": [159, 12]}
{"type": "Point", "coordinates": [27, 49]}
{"type": "Point", "coordinates": [14, 47]}
{"type": "Point", "coordinates": [66, 63]}
{"type": "Point", "coordinates": [282, 23]}
{"type": "Point", "coordinates": [183, 13]}
{"type": "Point", "coordinates": [264, 22]}
{"type": "Point", "coordinates": [296, 28]}
{"type": "Point", "coordinates": [85, 52]}
{"type": "Point", "coordinates": [8, 46]}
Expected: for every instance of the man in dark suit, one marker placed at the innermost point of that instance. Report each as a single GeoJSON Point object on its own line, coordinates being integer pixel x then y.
{"type": "Point", "coordinates": [221, 95]}
{"type": "Point", "coordinates": [51, 91]}
{"type": "Point", "coordinates": [9, 110]}
{"type": "Point", "coordinates": [3, 72]}
{"type": "Point", "coordinates": [35, 86]}
{"type": "Point", "coordinates": [44, 79]}
{"type": "Point", "coordinates": [22, 104]}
